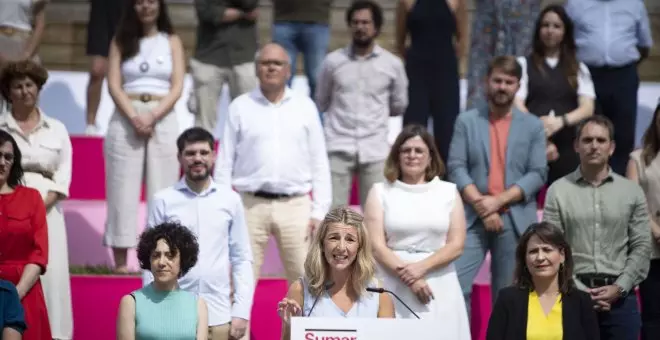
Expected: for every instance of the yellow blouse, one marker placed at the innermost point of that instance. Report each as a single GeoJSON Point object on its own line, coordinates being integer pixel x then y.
{"type": "Point", "coordinates": [540, 326]}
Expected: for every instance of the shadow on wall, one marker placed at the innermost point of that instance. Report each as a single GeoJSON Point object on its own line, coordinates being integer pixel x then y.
{"type": "Point", "coordinates": [644, 117]}
{"type": "Point", "coordinates": [51, 99]}
{"type": "Point", "coordinates": [85, 241]}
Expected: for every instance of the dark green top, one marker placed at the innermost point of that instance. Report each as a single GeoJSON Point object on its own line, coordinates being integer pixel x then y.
{"type": "Point", "coordinates": [225, 44]}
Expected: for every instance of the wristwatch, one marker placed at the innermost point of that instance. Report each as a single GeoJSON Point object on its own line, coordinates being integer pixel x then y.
{"type": "Point", "coordinates": [564, 120]}
{"type": "Point", "coordinates": [622, 292]}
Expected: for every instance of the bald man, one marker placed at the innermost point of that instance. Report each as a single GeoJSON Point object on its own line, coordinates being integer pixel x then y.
{"type": "Point", "coordinates": [273, 152]}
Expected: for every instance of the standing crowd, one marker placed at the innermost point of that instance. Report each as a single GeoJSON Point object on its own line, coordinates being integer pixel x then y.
{"type": "Point", "coordinates": [547, 87]}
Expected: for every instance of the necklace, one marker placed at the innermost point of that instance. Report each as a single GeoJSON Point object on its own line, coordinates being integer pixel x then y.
{"type": "Point", "coordinates": [144, 65]}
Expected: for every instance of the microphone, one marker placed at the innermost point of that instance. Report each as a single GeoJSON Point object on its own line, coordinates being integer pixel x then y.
{"type": "Point", "coordinates": [383, 290]}
{"type": "Point", "coordinates": [327, 285]}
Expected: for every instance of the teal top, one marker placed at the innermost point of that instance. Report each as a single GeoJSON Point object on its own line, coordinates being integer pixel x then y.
{"type": "Point", "coordinates": [165, 315]}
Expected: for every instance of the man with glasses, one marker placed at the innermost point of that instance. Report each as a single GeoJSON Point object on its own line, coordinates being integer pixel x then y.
{"type": "Point", "coordinates": [273, 152]}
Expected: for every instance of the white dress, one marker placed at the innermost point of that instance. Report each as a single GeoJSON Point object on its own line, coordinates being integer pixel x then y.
{"type": "Point", "coordinates": [416, 220]}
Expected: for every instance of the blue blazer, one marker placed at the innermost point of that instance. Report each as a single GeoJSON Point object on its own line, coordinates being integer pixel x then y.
{"type": "Point", "coordinates": [526, 163]}
{"type": "Point", "coordinates": [11, 310]}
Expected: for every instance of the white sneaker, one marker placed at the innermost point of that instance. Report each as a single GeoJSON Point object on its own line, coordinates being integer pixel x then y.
{"type": "Point", "coordinates": [91, 130]}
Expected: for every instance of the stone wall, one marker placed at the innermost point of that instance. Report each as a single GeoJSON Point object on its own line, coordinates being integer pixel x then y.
{"type": "Point", "coordinates": [63, 46]}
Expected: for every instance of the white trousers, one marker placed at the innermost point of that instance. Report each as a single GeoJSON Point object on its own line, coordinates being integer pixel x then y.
{"type": "Point", "coordinates": [128, 158]}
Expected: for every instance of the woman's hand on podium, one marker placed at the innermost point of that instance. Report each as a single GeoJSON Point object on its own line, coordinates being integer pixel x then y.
{"type": "Point", "coordinates": [288, 308]}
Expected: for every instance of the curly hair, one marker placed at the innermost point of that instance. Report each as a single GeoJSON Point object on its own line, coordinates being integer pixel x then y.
{"type": "Point", "coordinates": [316, 266]}
{"type": "Point", "coordinates": [178, 237]}
{"type": "Point", "coordinates": [22, 69]}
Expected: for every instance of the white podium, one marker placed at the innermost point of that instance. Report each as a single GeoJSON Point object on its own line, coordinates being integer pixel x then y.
{"type": "Point", "coordinates": [361, 329]}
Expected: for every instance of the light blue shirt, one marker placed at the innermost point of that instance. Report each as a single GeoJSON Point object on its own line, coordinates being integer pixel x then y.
{"type": "Point", "coordinates": [366, 306]}
{"type": "Point", "coordinates": [217, 218]}
{"type": "Point", "coordinates": [608, 32]}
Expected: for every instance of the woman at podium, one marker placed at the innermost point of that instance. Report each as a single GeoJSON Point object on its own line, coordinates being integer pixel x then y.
{"type": "Point", "coordinates": [338, 270]}
{"type": "Point", "coordinates": [543, 303]}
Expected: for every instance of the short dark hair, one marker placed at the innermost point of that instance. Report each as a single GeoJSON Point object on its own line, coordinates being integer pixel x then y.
{"type": "Point", "coordinates": [15, 177]}
{"type": "Point", "coordinates": [376, 12]}
{"type": "Point", "coordinates": [598, 120]}
{"type": "Point", "coordinates": [507, 64]}
{"type": "Point", "coordinates": [21, 69]}
{"type": "Point", "coordinates": [392, 164]}
{"type": "Point", "coordinates": [194, 135]}
{"type": "Point", "coordinates": [178, 237]}
{"type": "Point", "coordinates": [550, 234]}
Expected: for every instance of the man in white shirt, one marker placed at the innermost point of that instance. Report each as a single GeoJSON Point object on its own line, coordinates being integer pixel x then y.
{"type": "Point", "coordinates": [273, 153]}
{"type": "Point", "coordinates": [214, 213]}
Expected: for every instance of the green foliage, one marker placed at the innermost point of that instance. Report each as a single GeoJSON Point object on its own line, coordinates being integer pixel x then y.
{"type": "Point", "coordinates": [96, 270]}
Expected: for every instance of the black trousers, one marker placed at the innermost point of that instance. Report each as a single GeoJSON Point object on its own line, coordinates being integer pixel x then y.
{"type": "Point", "coordinates": [649, 293]}
{"type": "Point", "coordinates": [616, 98]}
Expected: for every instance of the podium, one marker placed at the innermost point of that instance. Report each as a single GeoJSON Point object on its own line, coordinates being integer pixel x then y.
{"type": "Point", "coordinates": [362, 329]}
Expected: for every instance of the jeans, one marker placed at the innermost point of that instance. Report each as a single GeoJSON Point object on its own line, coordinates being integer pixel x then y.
{"type": "Point", "coordinates": [649, 293]}
{"type": "Point", "coordinates": [309, 39]}
{"type": "Point", "coordinates": [622, 322]}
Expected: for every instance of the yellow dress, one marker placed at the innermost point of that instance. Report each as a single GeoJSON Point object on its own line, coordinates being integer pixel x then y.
{"type": "Point", "coordinates": [540, 326]}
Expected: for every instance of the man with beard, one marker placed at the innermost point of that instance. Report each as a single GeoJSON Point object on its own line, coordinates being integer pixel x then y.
{"type": "Point", "coordinates": [497, 160]}
{"type": "Point", "coordinates": [214, 213]}
{"type": "Point", "coordinates": [606, 222]}
{"type": "Point", "coordinates": [360, 86]}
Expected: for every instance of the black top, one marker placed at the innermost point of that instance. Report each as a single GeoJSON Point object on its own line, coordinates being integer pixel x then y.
{"type": "Point", "coordinates": [548, 89]}
{"type": "Point", "coordinates": [508, 320]}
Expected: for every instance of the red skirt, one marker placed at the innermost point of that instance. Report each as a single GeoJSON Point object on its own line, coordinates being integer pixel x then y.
{"type": "Point", "coordinates": [36, 314]}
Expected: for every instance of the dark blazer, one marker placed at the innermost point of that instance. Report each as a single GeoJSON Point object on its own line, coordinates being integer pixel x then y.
{"type": "Point", "coordinates": [508, 320]}
{"type": "Point", "coordinates": [11, 310]}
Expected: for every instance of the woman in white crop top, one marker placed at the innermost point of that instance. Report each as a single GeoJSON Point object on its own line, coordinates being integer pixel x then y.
{"type": "Point", "coordinates": [146, 68]}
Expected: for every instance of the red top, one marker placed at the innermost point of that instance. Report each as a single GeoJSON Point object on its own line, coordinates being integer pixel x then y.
{"type": "Point", "coordinates": [23, 228]}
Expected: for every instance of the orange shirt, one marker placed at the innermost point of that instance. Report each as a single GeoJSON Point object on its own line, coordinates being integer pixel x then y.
{"type": "Point", "coordinates": [499, 133]}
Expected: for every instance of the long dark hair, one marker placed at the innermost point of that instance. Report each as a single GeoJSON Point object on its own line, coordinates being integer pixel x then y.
{"type": "Point", "coordinates": [15, 177]}
{"type": "Point", "coordinates": [567, 49]}
{"type": "Point", "coordinates": [553, 236]}
{"type": "Point", "coordinates": [650, 142]}
{"type": "Point", "coordinates": [130, 30]}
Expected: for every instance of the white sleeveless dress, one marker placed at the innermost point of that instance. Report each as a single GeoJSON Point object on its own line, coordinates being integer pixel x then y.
{"type": "Point", "coordinates": [416, 220]}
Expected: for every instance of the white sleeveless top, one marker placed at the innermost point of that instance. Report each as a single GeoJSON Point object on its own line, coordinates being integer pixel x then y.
{"type": "Point", "coordinates": [365, 307]}
{"type": "Point", "coordinates": [17, 14]}
{"type": "Point", "coordinates": [150, 70]}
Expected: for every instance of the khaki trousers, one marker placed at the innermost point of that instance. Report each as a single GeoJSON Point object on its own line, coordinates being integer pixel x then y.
{"type": "Point", "coordinates": [208, 81]}
{"type": "Point", "coordinates": [128, 158]}
{"type": "Point", "coordinates": [287, 220]}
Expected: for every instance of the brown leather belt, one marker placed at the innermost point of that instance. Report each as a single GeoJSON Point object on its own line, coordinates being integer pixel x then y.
{"type": "Point", "coordinates": [12, 31]}
{"type": "Point", "coordinates": [145, 97]}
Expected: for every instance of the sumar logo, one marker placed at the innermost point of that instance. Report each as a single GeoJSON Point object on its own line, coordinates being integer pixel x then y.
{"type": "Point", "coordinates": [331, 334]}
